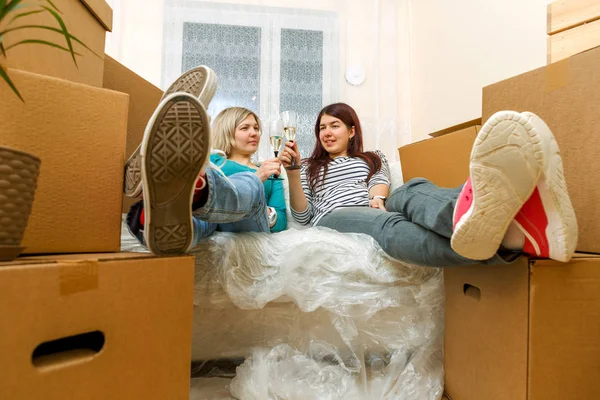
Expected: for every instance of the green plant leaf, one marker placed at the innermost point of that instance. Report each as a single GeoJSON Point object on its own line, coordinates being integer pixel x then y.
{"type": "Point", "coordinates": [49, 28]}
{"type": "Point", "coordinates": [9, 7]}
{"type": "Point", "coordinates": [2, 48]}
{"type": "Point", "coordinates": [10, 83]}
{"type": "Point", "coordinates": [2, 5]}
{"type": "Point", "coordinates": [65, 31]}
{"type": "Point", "coordinates": [24, 15]}
{"type": "Point", "coordinates": [54, 6]}
{"type": "Point", "coordinates": [45, 43]}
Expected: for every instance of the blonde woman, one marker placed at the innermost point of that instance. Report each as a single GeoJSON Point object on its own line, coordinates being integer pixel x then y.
{"type": "Point", "coordinates": [186, 195]}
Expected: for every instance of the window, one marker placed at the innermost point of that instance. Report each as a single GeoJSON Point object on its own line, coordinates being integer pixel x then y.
{"type": "Point", "coordinates": [266, 59]}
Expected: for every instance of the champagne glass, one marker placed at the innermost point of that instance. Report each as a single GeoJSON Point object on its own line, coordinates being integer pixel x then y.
{"type": "Point", "coordinates": [290, 119]}
{"type": "Point", "coordinates": [276, 139]}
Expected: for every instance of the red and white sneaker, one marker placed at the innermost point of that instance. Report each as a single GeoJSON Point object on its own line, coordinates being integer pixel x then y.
{"type": "Point", "coordinates": [548, 219]}
{"type": "Point", "coordinates": [505, 167]}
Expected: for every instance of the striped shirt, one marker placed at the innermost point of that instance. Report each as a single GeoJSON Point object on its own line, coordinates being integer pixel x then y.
{"type": "Point", "coordinates": [345, 186]}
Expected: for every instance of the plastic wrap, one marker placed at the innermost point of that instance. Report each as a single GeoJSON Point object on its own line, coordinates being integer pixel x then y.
{"type": "Point", "coordinates": [317, 315]}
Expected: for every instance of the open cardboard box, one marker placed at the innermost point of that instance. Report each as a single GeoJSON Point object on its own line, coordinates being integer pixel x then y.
{"type": "Point", "coordinates": [78, 132]}
{"type": "Point", "coordinates": [96, 327]}
{"type": "Point", "coordinates": [525, 331]}
{"type": "Point", "coordinates": [444, 158]}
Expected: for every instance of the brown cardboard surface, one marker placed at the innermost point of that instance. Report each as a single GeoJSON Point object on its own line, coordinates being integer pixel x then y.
{"type": "Point", "coordinates": [444, 160]}
{"type": "Point", "coordinates": [531, 335]}
{"type": "Point", "coordinates": [88, 20]}
{"type": "Point", "coordinates": [564, 351]}
{"type": "Point", "coordinates": [142, 306]}
{"type": "Point", "coordinates": [143, 99]}
{"type": "Point", "coordinates": [486, 339]}
{"type": "Point", "coordinates": [567, 96]}
{"type": "Point", "coordinates": [78, 132]}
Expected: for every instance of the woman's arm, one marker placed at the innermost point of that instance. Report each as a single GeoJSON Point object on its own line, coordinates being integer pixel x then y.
{"type": "Point", "coordinates": [277, 201]}
{"type": "Point", "coordinates": [379, 184]}
{"type": "Point", "coordinates": [300, 193]}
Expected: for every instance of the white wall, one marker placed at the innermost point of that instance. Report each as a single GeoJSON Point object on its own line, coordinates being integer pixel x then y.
{"type": "Point", "coordinates": [460, 46]}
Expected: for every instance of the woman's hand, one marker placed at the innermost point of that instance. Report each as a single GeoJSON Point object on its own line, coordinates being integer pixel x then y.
{"type": "Point", "coordinates": [290, 152]}
{"type": "Point", "coordinates": [270, 167]}
{"type": "Point", "coordinates": [377, 203]}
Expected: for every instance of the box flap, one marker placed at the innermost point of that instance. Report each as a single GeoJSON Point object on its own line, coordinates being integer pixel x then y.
{"type": "Point", "coordinates": [443, 160]}
{"type": "Point", "coordinates": [102, 11]}
{"type": "Point", "coordinates": [459, 127]}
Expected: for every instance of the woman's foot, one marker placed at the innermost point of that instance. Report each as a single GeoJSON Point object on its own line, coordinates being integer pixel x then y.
{"type": "Point", "coordinates": [173, 152]}
{"type": "Point", "coordinates": [200, 82]}
{"type": "Point", "coordinates": [505, 168]}
{"type": "Point", "coordinates": [547, 220]}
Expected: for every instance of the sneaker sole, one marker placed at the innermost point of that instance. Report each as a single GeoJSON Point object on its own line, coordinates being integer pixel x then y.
{"type": "Point", "coordinates": [174, 150]}
{"type": "Point", "coordinates": [505, 167]}
{"type": "Point", "coordinates": [200, 82]}
{"type": "Point", "coordinates": [562, 229]}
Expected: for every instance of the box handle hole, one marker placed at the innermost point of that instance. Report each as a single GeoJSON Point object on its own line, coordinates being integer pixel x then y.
{"type": "Point", "coordinates": [472, 291]}
{"type": "Point", "coordinates": [68, 350]}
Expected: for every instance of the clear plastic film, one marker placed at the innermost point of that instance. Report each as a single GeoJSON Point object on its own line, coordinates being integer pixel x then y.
{"type": "Point", "coordinates": [316, 314]}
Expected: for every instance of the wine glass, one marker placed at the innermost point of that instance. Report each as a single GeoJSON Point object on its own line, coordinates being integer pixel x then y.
{"type": "Point", "coordinates": [290, 120]}
{"type": "Point", "coordinates": [276, 140]}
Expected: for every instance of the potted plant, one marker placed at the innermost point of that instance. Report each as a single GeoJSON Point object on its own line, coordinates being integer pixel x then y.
{"type": "Point", "coordinates": [19, 170]}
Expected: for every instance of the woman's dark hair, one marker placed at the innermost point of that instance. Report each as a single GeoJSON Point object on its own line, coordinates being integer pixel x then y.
{"type": "Point", "coordinates": [319, 159]}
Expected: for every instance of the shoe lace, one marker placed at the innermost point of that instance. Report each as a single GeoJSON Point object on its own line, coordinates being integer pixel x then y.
{"type": "Point", "coordinates": [218, 167]}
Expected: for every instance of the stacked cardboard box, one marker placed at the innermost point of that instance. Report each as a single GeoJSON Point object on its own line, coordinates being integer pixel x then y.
{"type": "Point", "coordinates": [143, 99]}
{"type": "Point", "coordinates": [528, 331]}
{"type": "Point", "coordinates": [83, 325]}
{"type": "Point", "coordinates": [573, 27]}
{"type": "Point", "coordinates": [96, 326]}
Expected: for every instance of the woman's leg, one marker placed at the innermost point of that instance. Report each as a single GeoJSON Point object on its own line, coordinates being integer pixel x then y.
{"type": "Point", "coordinates": [402, 239]}
{"type": "Point", "coordinates": [425, 204]}
{"type": "Point", "coordinates": [236, 203]}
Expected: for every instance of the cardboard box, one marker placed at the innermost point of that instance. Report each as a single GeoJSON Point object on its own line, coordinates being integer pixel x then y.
{"type": "Point", "coordinates": [137, 307]}
{"type": "Point", "coordinates": [566, 14]}
{"type": "Point", "coordinates": [567, 96]}
{"type": "Point", "coordinates": [78, 132]}
{"type": "Point", "coordinates": [573, 41]}
{"type": "Point", "coordinates": [444, 159]}
{"type": "Point", "coordinates": [525, 331]}
{"type": "Point", "coordinates": [88, 20]}
{"type": "Point", "coordinates": [144, 97]}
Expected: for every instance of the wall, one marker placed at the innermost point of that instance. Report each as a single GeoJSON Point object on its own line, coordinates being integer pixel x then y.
{"type": "Point", "coordinates": [459, 46]}
{"type": "Point", "coordinates": [369, 32]}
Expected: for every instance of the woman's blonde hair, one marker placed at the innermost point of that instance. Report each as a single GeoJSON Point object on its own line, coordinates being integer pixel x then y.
{"type": "Point", "coordinates": [223, 129]}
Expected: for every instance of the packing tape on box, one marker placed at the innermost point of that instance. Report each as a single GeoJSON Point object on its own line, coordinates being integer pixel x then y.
{"type": "Point", "coordinates": [78, 276]}
{"type": "Point", "coordinates": [557, 75]}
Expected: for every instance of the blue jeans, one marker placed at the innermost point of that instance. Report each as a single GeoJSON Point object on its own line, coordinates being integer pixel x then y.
{"type": "Point", "coordinates": [234, 204]}
{"type": "Point", "coordinates": [416, 228]}
{"type": "Point", "coordinates": [239, 205]}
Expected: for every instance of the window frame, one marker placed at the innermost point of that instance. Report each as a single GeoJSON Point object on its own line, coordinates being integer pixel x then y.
{"type": "Point", "coordinates": [270, 20]}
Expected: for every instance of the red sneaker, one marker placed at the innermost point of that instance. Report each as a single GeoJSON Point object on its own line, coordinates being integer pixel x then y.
{"type": "Point", "coordinates": [505, 167]}
{"type": "Point", "coordinates": [548, 219]}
